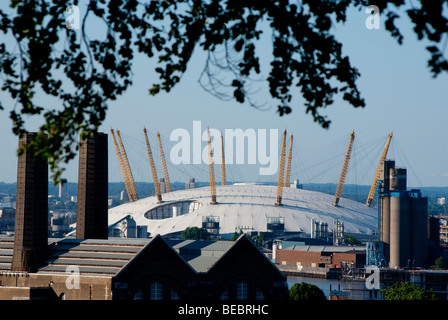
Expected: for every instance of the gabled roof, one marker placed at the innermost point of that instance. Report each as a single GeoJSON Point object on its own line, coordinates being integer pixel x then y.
{"type": "Point", "coordinates": [199, 254]}
{"type": "Point", "coordinates": [109, 257]}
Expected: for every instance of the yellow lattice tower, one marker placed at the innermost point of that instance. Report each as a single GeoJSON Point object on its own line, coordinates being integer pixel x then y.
{"type": "Point", "coordinates": [121, 163]}
{"type": "Point", "coordinates": [165, 170]}
{"type": "Point", "coordinates": [343, 174]}
{"type": "Point", "coordinates": [132, 193]}
{"type": "Point", "coordinates": [211, 169]}
{"type": "Point", "coordinates": [153, 168]}
{"type": "Point", "coordinates": [288, 163]}
{"type": "Point", "coordinates": [223, 164]}
{"type": "Point", "coordinates": [378, 172]}
{"type": "Point", "coordinates": [281, 171]}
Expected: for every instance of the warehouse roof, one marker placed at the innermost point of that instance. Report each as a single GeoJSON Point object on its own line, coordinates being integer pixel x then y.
{"type": "Point", "coordinates": [343, 249]}
{"type": "Point", "coordinates": [108, 257]}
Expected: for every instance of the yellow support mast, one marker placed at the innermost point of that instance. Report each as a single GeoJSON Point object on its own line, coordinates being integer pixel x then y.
{"type": "Point", "coordinates": [288, 164]}
{"type": "Point", "coordinates": [223, 164]}
{"type": "Point", "coordinates": [153, 168]}
{"type": "Point", "coordinates": [378, 172]}
{"type": "Point", "coordinates": [165, 170]}
{"type": "Point", "coordinates": [121, 163]}
{"type": "Point", "coordinates": [211, 169]}
{"type": "Point", "coordinates": [132, 193]}
{"type": "Point", "coordinates": [281, 172]}
{"type": "Point", "coordinates": [343, 174]}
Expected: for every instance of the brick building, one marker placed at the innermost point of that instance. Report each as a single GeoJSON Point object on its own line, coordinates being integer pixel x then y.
{"type": "Point", "coordinates": [321, 256]}
{"type": "Point", "coordinates": [148, 269]}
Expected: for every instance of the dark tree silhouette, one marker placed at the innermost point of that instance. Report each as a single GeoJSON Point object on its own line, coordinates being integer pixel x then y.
{"type": "Point", "coordinates": [85, 73]}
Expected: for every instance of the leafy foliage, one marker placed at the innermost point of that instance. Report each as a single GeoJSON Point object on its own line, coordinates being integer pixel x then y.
{"type": "Point", "coordinates": [306, 291]}
{"type": "Point", "coordinates": [84, 73]}
{"type": "Point", "coordinates": [195, 233]}
{"type": "Point", "coordinates": [441, 263]}
{"type": "Point", "coordinates": [407, 291]}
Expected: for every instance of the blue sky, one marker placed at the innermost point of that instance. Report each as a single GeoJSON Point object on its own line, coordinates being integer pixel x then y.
{"type": "Point", "coordinates": [401, 95]}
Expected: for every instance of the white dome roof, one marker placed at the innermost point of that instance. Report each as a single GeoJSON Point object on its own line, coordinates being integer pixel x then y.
{"type": "Point", "coordinates": [248, 207]}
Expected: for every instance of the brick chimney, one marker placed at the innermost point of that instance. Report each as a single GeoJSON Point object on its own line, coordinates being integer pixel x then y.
{"type": "Point", "coordinates": [92, 216]}
{"type": "Point", "coordinates": [31, 221]}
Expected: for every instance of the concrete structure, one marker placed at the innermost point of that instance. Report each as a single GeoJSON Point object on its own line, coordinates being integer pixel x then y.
{"type": "Point", "coordinates": [31, 221]}
{"type": "Point", "coordinates": [191, 184]}
{"type": "Point", "coordinates": [63, 194]}
{"type": "Point", "coordinates": [249, 208]}
{"type": "Point", "coordinates": [403, 220]}
{"type": "Point", "coordinates": [92, 188]}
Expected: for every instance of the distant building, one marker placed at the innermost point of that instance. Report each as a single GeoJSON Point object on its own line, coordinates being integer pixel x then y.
{"type": "Point", "coordinates": [7, 219]}
{"type": "Point", "coordinates": [321, 256]}
{"type": "Point", "coordinates": [191, 184]}
{"type": "Point", "coordinates": [60, 222]}
{"type": "Point", "coordinates": [162, 185]}
{"type": "Point", "coordinates": [296, 185]}
{"type": "Point", "coordinates": [443, 229]}
{"type": "Point", "coordinates": [63, 194]}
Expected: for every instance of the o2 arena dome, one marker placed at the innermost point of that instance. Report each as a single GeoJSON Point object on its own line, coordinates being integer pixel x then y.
{"type": "Point", "coordinates": [248, 208]}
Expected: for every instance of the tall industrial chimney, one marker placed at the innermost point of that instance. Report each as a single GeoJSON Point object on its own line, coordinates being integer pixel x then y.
{"type": "Point", "coordinates": [31, 222]}
{"type": "Point", "coordinates": [92, 222]}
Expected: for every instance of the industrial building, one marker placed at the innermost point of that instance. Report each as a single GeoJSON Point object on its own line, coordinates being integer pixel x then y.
{"type": "Point", "coordinates": [321, 256]}
{"type": "Point", "coordinates": [149, 269]}
{"type": "Point", "coordinates": [93, 266]}
{"type": "Point", "coordinates": [133, 251]}
{"type": "Point", "coordinates": [403, 220]}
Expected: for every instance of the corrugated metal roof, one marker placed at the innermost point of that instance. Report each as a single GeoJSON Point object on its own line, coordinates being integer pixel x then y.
{"type": "Point", "coordinates": [326, 248]}
{"type": "Point", "coordinates": [201, 255]}
{"type": "Point", "coordinates": [108, 257]}
{"type": "Point", "coordinates": [98, 257]}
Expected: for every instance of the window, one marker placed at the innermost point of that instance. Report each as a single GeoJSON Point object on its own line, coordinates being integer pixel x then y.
{"type": "Point", "coordinates": [156, 291]}
{"type": "Point", "coordinates": [259, 294]}
{"type": "Point", "coordinates": [174, 295]}
{"type": "Point", "coordinates": [225, 294]}
{"type": "Point", "coordinates": [242, 290]}
{"type": "Point", "coordinates": [138, 295]}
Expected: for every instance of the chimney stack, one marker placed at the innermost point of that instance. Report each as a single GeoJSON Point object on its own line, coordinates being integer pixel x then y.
{"type": "Point", "coordinates": [92, 218]}
{"type": "Point", "coordinates": [31, 222]}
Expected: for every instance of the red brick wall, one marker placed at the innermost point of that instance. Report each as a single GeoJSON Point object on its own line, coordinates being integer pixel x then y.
{"type": "Point", "coordinates": [307, 258]}
{"type": "Point", "coordinates": [292, 257]}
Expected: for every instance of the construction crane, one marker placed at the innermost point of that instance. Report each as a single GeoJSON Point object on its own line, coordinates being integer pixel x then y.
{"type": "Point", "coordinates": [153, 168]}
{"type": "Point", "coordinates": [281, 172]}
{"type": "Point", "coordinates": [378, 172]}
{"type": "Point", "coordinates": [165, 170]}
{"type": "Point", "coordinates": [211, 169]}
{"type": "Point", "coordinates": [223, 164]}
{"type": "Point", "coordinates": [343, 174]}
{"type": "Point", "coordinates": [125, 168]}
{"type": "Point", "coordinates": [288, 163]}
